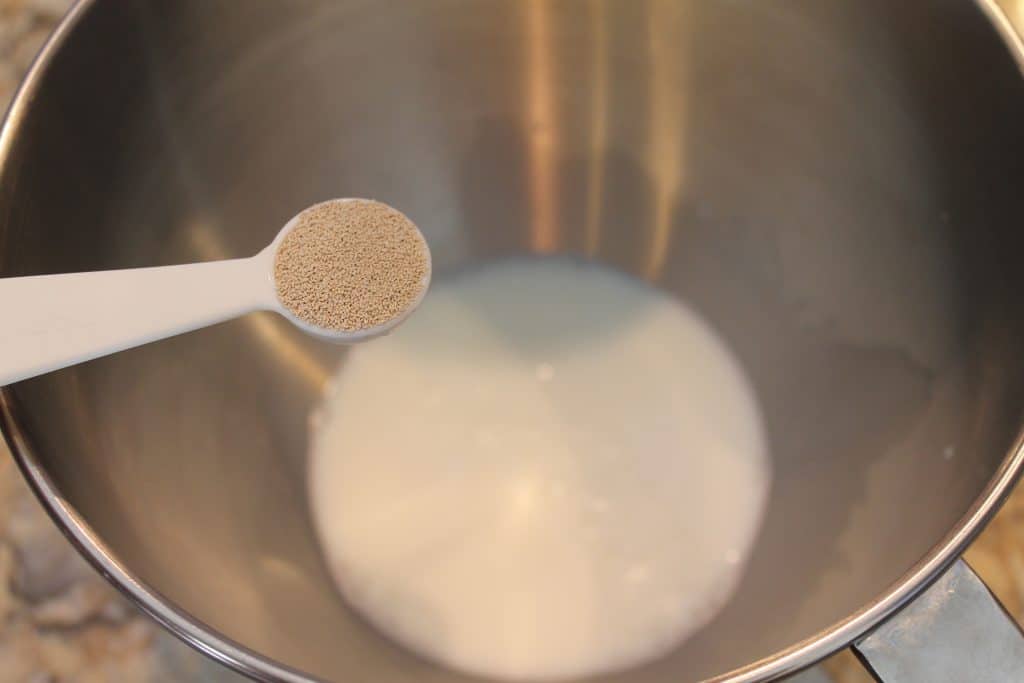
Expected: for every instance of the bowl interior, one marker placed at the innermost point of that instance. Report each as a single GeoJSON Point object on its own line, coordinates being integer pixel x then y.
{"type": "Point", "coordinates": [833, 185]}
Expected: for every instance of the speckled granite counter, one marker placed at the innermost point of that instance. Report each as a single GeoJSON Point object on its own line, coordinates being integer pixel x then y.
{"type": "Point", "coordinates": [61, 623]}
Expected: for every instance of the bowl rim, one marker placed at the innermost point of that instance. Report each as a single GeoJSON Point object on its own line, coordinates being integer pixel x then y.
{"type": "Point", "coordinates": [215, 645]}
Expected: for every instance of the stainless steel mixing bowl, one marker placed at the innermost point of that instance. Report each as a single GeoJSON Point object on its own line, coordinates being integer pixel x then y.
{"type": "Point", "coordinates": [833, 184]}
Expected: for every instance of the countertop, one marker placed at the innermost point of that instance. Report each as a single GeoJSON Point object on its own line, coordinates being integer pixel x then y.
{"type": "Point", "coordinates": [61, 623]}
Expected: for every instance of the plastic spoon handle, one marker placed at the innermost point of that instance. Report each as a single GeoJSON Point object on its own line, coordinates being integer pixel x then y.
{"type": "Point", "coordinates": [48, 322]}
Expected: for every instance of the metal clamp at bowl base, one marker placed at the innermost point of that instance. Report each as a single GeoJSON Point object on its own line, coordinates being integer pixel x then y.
{"type": "Point", "coordinates": [955, 631]}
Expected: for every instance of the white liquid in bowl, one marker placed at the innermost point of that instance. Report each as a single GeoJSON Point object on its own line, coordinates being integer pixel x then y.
{"type": "Point", "coordinates": [551, 470]}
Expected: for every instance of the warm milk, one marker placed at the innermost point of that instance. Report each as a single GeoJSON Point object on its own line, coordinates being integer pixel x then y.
{"type": "Point", "coordinates": [550, 470]}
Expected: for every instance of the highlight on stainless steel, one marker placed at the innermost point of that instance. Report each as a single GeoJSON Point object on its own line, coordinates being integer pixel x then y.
{"type": "Point", "coordinates": [833, 184]}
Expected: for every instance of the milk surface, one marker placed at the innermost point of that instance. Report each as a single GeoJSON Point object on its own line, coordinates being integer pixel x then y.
{"type": "Point", "coordinates": [550, 470]}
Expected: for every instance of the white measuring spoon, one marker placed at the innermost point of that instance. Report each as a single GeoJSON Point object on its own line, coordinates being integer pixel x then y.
{"type": "Point", "coordinates": [48, 322]}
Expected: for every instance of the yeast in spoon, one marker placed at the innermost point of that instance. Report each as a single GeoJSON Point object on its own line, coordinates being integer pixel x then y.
{"type": "Point", "coordinates": [553, 471]}
{"type": "Point", "coordinates": [350, 267]}
{"type": "Point", "coordinates": [344, 270]}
